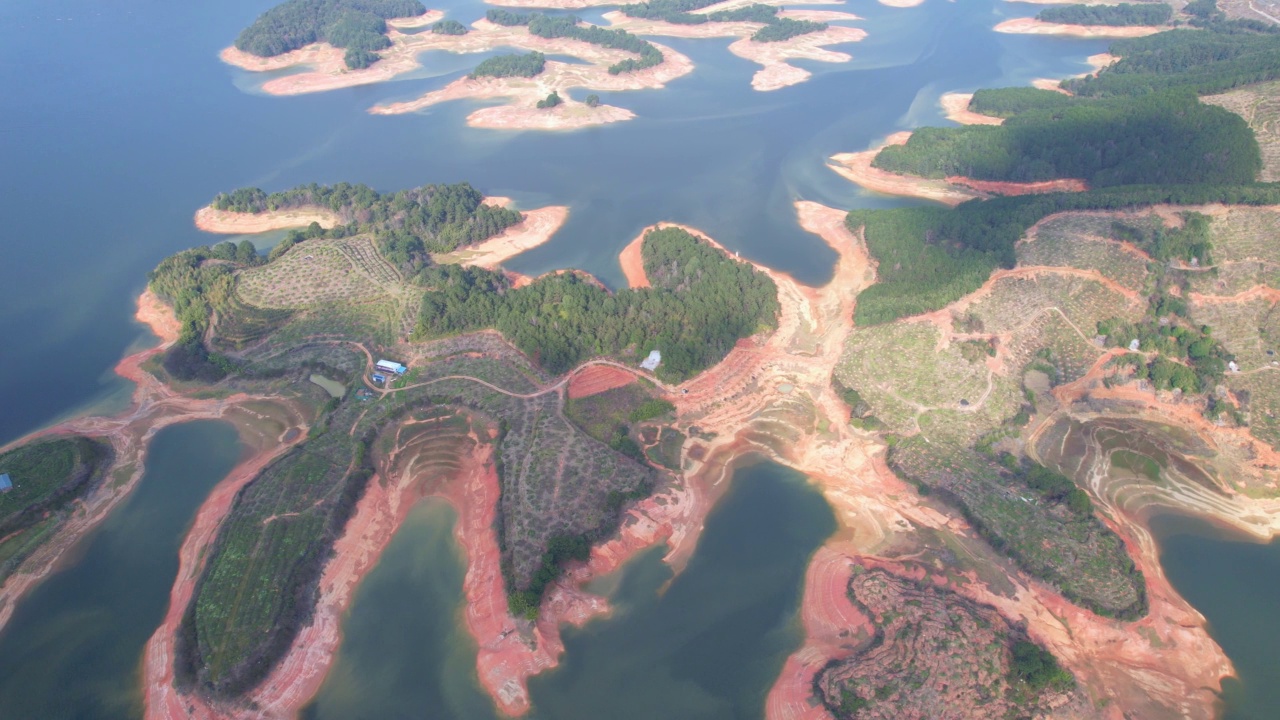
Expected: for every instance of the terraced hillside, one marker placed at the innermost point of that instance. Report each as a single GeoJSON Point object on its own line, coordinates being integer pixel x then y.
{"type": "Point", "coordinates": [260, 580]}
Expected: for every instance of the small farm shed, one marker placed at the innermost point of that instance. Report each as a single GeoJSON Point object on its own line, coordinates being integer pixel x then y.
{"type": "Point", "coordinates": [5, 483]}
{"type": "Point", "coordinates": [651, 363]}
{"type": "Point", "coordinates": [391, 367]}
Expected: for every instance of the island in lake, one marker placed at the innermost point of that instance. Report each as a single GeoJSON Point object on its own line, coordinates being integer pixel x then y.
{"type": "Point", "coordinates": [994, 392]}
{"type": "Point", "coordinates": [343, 47]}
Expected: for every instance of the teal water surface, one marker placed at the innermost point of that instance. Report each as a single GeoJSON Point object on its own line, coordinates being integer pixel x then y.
{"type": "Point", "coordinates": [73, 648]}
{"type": "Point", "coordinates": [708, 646]}
{"type": "Point", "coordinates": [1235, 584]}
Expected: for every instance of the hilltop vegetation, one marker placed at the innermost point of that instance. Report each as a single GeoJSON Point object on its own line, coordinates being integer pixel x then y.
{"type": "Point", "coordinates": [1111, 15]}
{"type": "Point", "coordinates": [1207, 60]}
{"type": "Point", "coordinates": [511, 65]}
{"type": "Point", "coordinates": [48, 477]}
{"type": "Point", "coordinates": [560, 491]}
{"type": "Point", "coordinates": [359, 26]}
{"type": "Point", "coordinates": [1159, 139]}
{"type": "Point", "coordinates": [681, 12]}
{"type": "Point", "coordinates": [408, 225]}
{"type": "Point", "coordinates": [701, 303]}
{"type": "Point", "coordinates": [546, 26]}
{"type": "Point", "coordinates": [929, 257]}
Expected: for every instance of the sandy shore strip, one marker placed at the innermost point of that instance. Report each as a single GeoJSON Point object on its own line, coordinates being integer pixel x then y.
{"type": "Point", "coordinates": [856, 167]}
{"type": "Point", "coordinates": [226, 222]}
{"type": "Point", "coordinates": [1097, 62]}
{"type": "Point", "coordinates": [776, 72]}
{"type": "Point", "coordinates": [522, 94]}
{"type": "Point", "coordinates": [536, 228]}
{"type": "Point", "coordinates": [1032, 26]}
{"type": "Point", "coordinates": [901, 3]}
{"type": "Point", "coordinates": [952, 190]}
{"type": "Point", "coordinates": [956, 108]}
{"type": "Point", "coordinates": [632, 262]}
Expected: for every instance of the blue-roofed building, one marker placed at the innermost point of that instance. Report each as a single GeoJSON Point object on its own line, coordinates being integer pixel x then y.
{"type": "Point", "coordinates": [5, 483]}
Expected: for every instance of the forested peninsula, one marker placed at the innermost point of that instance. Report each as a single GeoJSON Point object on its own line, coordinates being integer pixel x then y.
{"type": "Point", "coordinates": [358, 26]}
{"type": "Point", "coordinates": [1137, 133]}
{"type": "Point", "coordinates": [1112, 15]}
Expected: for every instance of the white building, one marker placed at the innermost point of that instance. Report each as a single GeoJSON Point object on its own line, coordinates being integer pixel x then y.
{"type": "Point", "coordinates": [391, 367]}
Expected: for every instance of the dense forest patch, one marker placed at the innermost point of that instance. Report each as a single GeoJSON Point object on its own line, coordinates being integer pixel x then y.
{"type": "Point", "coordinates": [1120, 15]}
{"type": "Point", "coordinates": [1206, 60]}
{"type": "Point", "coordinates": [511, 65]}
{"type": "Point", "coordinates": [701, 303]}
{"type": "Point", "coordinates": [547, 26]}
{"type": "Point", "coordinates": [359, 26]}
{"type": "Point", "coordinates": [929, 257]}
{"type": "Point", "coordinates": [1158, 139]}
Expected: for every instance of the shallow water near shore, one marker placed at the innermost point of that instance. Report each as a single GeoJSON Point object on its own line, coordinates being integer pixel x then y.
{"type": "Point", "coordinates": [121, 122]}
{"type": "Point", "coordinates": [709, 646]}
{"type": "Point", "coordinates": [74, 646]}
{"type": "Point", "coordinates": [1235, 584]}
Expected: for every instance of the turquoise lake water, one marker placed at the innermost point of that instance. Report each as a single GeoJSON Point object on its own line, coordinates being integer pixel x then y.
{"type": "Point", "coordinates": [73, 648]}
{"type": "Point", "coordinates": [119, 122]}
{"type": "Point", "coordinates": [708, 646]}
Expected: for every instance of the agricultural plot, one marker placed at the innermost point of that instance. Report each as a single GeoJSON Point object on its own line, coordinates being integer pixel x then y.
{"type": "Point", "coordinates": [1259, 105]}
{"type": "Point", "coordinates": [932, 653]}
{"type": "Point", "coordinates": [1233, 278]}
{"type": "Point", "coordinates": [1260, 393]}
{"type": "Point", "coordinates": [320, 272]}
{"type": "Point", "coordinates": [1246, 234]}
{"type": "Point", "coordinates": [599, 415]}
{"type": "Point", "coordinates": [1049, 341]}
{"type": "Point", "coordinates": [900, 372]}
{"type": "Point", "coordinates": [1081, 241]}
{"type": "Point", "coordinates": [1248, 329]}
{"type": "Point", "coordinates": [48, 476]}
{"type": "Point", "coordinates": [259, 584]}
{"type": "Point", "coordinates": [1014, 301]}
{"type": "Point", "coordinates": [1075, 553]}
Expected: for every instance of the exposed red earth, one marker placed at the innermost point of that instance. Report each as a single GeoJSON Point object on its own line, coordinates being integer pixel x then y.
{"type": "Point", "coordinates": [154, 407]}
{"type": "Point", "coordinates": [633, 263]}
{"type": "Point", "coordinates": [227, 222]}
{"type": "Point", "coordinates": [596, 379]}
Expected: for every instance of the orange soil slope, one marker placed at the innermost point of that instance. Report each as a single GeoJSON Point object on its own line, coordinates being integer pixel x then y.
{"type": "Point", "coordinates": [596, 379]}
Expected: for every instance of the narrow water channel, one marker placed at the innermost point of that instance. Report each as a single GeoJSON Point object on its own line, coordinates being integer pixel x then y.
{"type": "Point", "coordinates": [709, 646]}
{"type": "Point", "coordinates": [73, 649]}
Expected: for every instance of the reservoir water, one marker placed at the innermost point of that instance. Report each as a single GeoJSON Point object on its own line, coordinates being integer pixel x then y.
{"type": "Point", "coordinates": [1235, 583]}
{"type": "Point", "coordinates": [709, 645]}
{"type": "Point", "coordinates": [119, 122]}
{"type": "Point", "coordinates": [74, 645]}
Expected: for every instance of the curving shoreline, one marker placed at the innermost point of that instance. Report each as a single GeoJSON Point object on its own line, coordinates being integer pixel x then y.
{"type": "Point", "coordinates": [534, 229]}
{"type": "Point", "coordinates": [1032, 26]}
{"type": "Point", "coordinates": [955, 107]}
{"type": "Point", "coordinates": [632, 263]}
{"type": "Point", "coordinates": [227, 222]}
{"type": "Point", "coordinates": [952, 190]}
